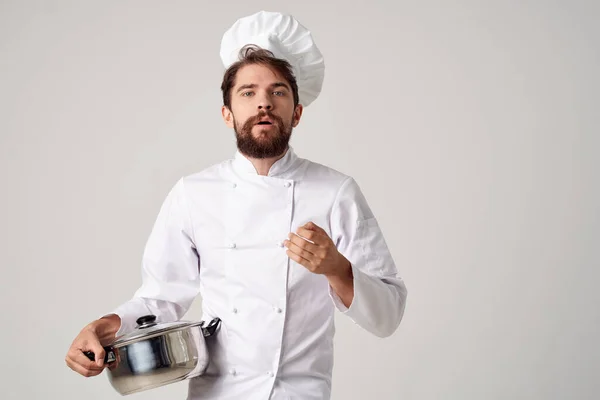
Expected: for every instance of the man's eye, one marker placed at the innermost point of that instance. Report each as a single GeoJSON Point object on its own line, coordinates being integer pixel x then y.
{"type": "Point", "coordinates": [279, 93]}
{"type": "Point", "coordinates": [246, 94]}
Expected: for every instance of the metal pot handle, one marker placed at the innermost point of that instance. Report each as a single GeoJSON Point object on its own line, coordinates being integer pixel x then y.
{"type": "Point", "coordinates": [109, 355]}
{"type": "Point", "coordinates": [211, 328]}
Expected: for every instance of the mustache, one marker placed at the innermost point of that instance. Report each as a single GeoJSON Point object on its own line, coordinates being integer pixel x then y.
{"type": "Point", "coordinates": [256, 119]}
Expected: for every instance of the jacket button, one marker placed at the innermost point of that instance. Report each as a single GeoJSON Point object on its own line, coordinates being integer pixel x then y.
{"type": "Point", "coordinates": [271, 374]}
{"type": "Point", "coordinates": [232, 246]}
{"type": "Point", "coordinates": [233, 371]}
{"type": "Point", "coordinates": [235, 310]}
{"type": "Point", "coordinates": [278, 310]}
{"type": "Point", "coordinates": [288, 184]}
{"type": "Point", "coordinates": [234, 185]}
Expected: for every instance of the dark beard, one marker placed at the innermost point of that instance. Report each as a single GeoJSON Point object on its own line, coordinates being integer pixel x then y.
{"type": "Point", "coordinates": [276, 143]}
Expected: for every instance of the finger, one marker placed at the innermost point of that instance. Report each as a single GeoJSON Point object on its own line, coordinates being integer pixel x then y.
{"type": "Point", "coordinates": [82, 360]}
{"type": "Point", "coordinates": [91, 343]}
{"type": "Point", "coordinates": [77, 357]}
{"type": "Point", "coordinates": [312, 236]}
{"type": "Point", "coordinates": [294, 248]}
{"type": "Point", "coordinates": [98, 350]}
{"type": "Point", "coordinates": [298, 259]}
{"type": "Point", "coordinates": [303, 243]}
{"type": "Point", "coordinates": [314, 227]}
{"type": "Point", "coordinates": [80, 369]}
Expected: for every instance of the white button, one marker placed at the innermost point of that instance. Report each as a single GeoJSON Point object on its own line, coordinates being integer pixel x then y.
{"type": "Point", "coordinates": [288, 184]}
{"type": "Point", "coordinates": [233, 371]}
{"type": "Point", "coordinates": [278, 310]}
{"type": "Point", "coordinates": [271, 374]}
{"type": "Point", "coordinates": [232, 245]}
{"type": "Point", "coordinates": [235, 310]}
{"type": "Point", "coordinates": [280, 244]}
{"type": "Point", "coordinates": [234, 185]}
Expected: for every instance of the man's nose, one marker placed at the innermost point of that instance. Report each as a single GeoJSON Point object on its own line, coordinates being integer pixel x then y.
{"type": "Point", "coordinates": [265, 103]}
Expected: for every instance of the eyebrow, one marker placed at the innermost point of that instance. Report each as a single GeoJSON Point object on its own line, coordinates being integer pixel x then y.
{"type": "Point", "coordinates": [253, 86]}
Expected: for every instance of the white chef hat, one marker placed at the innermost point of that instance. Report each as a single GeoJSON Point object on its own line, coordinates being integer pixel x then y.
{"type": "Point", "coordinates": [287, 39]}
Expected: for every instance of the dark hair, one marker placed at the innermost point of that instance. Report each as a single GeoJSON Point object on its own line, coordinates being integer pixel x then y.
{"type": "Point", "coordinates": [252, 54]}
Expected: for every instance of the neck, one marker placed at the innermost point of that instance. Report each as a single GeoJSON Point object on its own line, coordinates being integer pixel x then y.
{"type": "Point", "coordinates": [263, 165]}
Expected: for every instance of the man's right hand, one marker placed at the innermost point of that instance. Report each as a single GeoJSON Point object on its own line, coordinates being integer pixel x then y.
{"type": "Point", "coordinates": [91, 338]}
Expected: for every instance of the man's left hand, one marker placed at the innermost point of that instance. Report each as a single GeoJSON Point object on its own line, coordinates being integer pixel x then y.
{"type": "Point", "coordinates": [321, 256]}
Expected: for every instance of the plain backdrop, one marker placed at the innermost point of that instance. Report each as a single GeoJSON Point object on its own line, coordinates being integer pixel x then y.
{"type": "Point", "coordinates": [471, 126]}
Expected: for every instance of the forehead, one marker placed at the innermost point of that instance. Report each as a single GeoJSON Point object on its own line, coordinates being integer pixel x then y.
{"type": "Point", "coordinates": [257, 74]}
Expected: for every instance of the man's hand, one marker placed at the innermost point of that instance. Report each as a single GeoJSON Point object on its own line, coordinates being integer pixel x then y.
{"type": "Point", "coordinates": [321, 256]}
{"type": "Point", "coordinates": [311, 247]}
{"type": "Point", "coordinates": [92, 338]}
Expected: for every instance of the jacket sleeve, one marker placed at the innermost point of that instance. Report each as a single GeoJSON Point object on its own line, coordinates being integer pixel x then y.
{"type": "Point", "coordinates": [379, 293]}
{"type": "Point", "coordinates": [169, 269]}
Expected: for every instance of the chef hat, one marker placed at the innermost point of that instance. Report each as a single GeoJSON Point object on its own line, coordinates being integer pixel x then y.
{"type": "Point", "coordinates": [287, 39]}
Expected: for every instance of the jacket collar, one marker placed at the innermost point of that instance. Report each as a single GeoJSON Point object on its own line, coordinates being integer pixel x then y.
{"type": "Point", "coordinates": [279, 168]}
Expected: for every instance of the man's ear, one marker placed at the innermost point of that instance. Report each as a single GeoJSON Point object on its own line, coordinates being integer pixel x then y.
{"type": "Point", "coordinates": [227, 116]}
{"type": "Point", "coordinates": [297, 115]}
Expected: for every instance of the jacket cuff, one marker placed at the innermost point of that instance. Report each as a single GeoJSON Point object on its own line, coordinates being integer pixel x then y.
{"type": "Point", "coordinates": [357, 282]}
{"type": "Point", "coordinates": [129, 312]}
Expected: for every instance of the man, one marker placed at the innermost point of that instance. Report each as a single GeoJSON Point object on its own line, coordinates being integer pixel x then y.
{"type": "Point", "coordinates": [273, 243]}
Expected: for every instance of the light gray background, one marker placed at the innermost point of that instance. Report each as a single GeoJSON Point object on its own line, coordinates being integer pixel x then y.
{"type": "Point", "coordinates": [471, 127]}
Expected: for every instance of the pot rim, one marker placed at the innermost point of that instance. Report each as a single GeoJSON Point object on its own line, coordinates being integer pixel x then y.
{"type": "Point", "coordinates": [127, 339]}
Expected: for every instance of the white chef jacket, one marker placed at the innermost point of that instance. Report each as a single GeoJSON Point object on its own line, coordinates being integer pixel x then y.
{"type": "Point", "coordinates": [219, 234]}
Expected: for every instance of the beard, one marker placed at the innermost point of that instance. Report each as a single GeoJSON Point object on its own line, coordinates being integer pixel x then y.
{"type": "Point", "coordinates": [272, 143]}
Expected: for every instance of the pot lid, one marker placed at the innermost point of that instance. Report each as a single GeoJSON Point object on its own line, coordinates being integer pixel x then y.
{"type": "Point", "coordinates": [147, 327]}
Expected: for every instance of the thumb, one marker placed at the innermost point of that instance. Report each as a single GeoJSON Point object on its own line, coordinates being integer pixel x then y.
{"type": "Point", "coordinates": [98, 350]}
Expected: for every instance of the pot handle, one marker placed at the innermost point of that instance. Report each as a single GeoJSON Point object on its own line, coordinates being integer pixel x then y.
{"type": "Point", "coordinates": [109, 356]}
{"type": "Point", "coordinates": [211, 328]}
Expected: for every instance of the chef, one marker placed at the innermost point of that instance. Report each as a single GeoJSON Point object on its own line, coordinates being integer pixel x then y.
{"type": "Point", "coordinates": [274, 244]}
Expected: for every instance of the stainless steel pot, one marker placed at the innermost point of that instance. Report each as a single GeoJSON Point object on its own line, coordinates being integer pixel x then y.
{"type": "Point", "coordinates": [157, 354]}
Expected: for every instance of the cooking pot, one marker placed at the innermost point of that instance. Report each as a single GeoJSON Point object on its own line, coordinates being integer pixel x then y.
{"type": "Point", "coordinates": [156, 354]}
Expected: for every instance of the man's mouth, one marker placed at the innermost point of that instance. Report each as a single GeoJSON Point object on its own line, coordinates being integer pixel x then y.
{"type": "Point", "coordinates": [264, 123]}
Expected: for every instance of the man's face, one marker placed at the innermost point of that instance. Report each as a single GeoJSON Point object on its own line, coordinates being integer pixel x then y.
{"type": "Point", "coordinates": [262, 112]}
